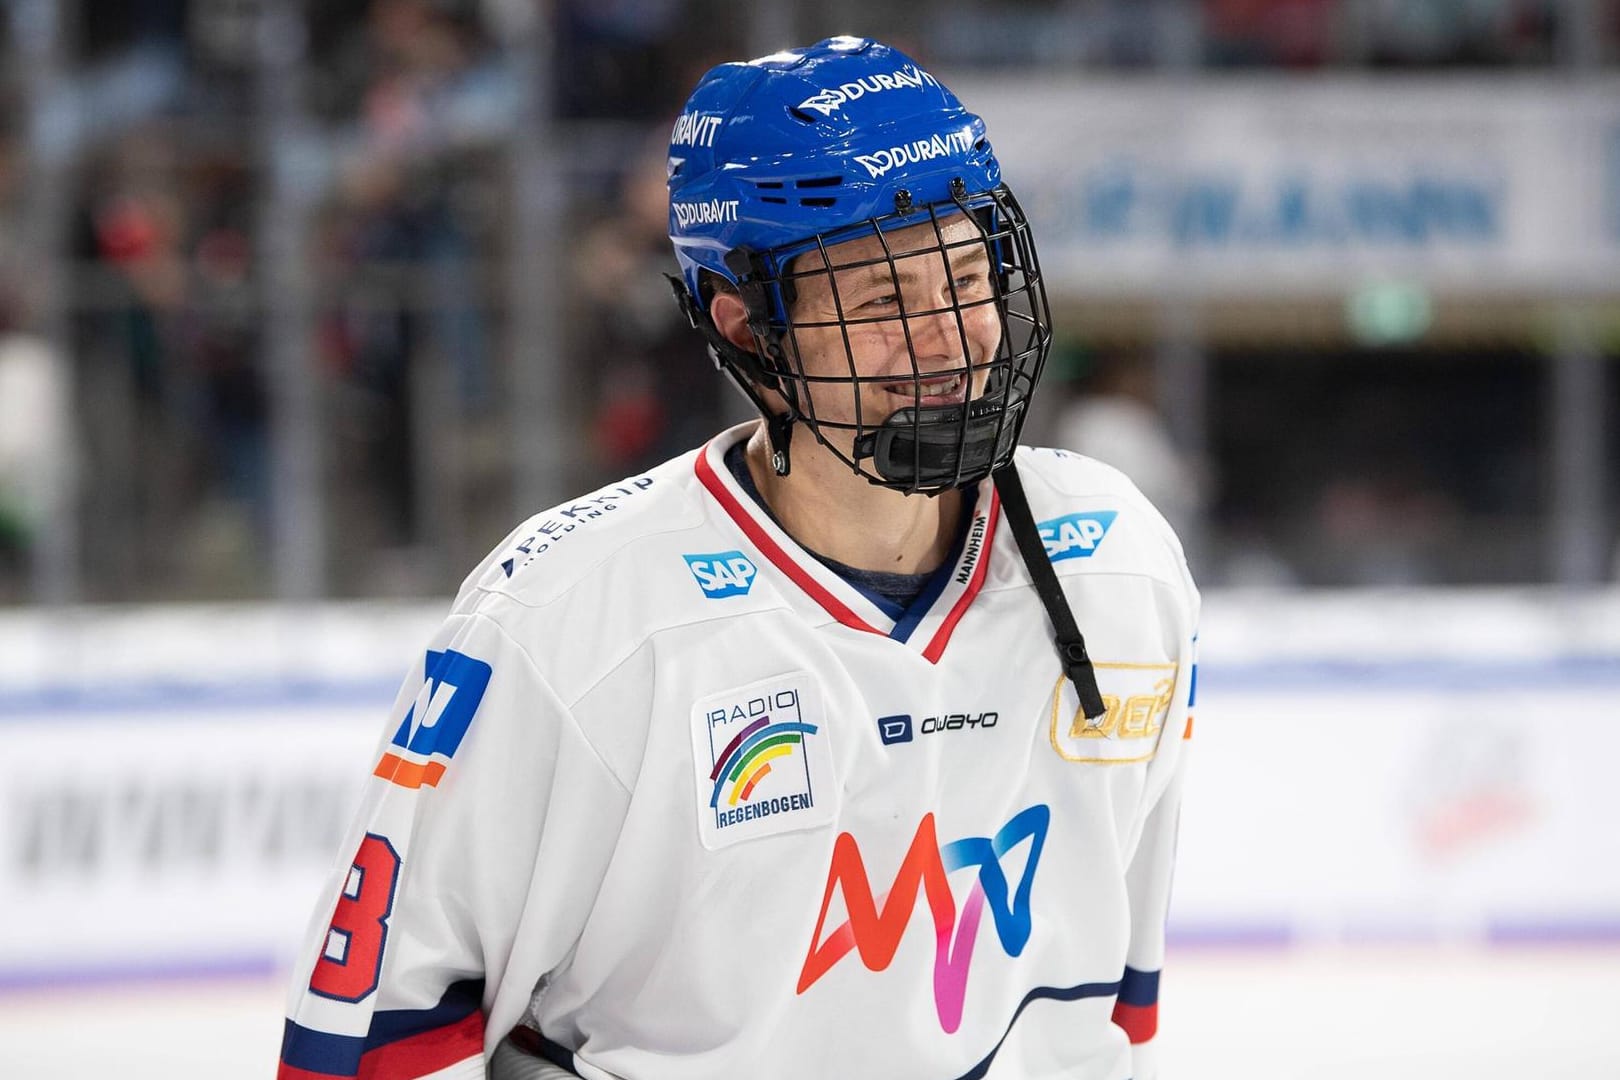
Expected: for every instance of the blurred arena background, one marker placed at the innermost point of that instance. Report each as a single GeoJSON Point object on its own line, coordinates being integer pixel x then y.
{"type": "Point", "coordinates": [303, 305]}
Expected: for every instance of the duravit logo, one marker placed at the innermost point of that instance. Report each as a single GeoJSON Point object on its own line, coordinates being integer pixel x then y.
{"type": "Point", "coordinates": [916, 152]}
{"type": "Point", "coordinates": [695, 129]}
{"type": "Point", "coordinates": [1075, 536]}
{"type": "Point", "coordinates": [708, 212]}
{"type": "Point", "coordinates": [722, 573]}
{"type": "Point", "coordinates": [834, 98]}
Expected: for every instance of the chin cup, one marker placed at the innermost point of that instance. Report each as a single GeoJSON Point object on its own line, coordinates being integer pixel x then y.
{"type": "Point", "coordinates": [935, 448]}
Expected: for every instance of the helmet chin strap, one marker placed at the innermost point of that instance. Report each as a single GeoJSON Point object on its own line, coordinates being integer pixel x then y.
{"type": "Point", "coordinates": [1071, 644]}
{"type": "Point", "coordinates": [778, 425]}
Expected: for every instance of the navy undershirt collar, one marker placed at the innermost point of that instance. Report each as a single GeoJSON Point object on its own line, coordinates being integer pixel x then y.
{"type": "Point", "coordinates": [894, 593]}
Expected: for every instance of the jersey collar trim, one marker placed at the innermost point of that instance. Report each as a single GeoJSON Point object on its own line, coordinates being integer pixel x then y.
{"type": "Point", "coordinates": [925, 627]}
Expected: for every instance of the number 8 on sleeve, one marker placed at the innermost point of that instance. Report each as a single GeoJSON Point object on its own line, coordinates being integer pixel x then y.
{"type": "Point", "coordinates": [351, 960]}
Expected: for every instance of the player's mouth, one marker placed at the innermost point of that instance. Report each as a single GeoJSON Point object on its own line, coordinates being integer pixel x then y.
{"type": "Point", "coordinates": [945, 390]}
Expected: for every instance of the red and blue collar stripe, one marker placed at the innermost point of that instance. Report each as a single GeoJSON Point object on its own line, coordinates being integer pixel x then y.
{"type": "Point", "coordinates": [926, 626]}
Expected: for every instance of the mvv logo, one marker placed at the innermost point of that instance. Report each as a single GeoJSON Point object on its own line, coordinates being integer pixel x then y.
{"type": "Point", "coordinates": [875, 932]}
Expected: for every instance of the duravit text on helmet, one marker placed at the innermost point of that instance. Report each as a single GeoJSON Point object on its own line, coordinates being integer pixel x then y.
{"type": "Point", "coordinates": [708, 212]}
{"type": "Point", "coordinates": [695, 129]}
{"type": "Point", "coordinates": [916, 152]}
{"type": "Point", "coordinates": [832, 99]}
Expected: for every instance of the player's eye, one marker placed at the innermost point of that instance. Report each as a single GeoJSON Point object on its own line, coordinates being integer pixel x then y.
{"type": "Point", "coordinates": [973, 282]}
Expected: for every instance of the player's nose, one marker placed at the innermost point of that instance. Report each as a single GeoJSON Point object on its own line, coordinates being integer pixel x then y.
{"type": "Point", "coordinates": [944, 335]}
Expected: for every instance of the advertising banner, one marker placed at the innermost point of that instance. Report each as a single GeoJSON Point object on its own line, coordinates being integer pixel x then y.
{"type": "Point", "coordinates": [1259, 186]}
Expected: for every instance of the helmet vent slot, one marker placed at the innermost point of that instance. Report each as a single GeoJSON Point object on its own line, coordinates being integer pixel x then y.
{"type": "Point", "coordinates": [818, 202]}
{"type": "Point", "coordinates": [777, 199]}
{"type": "Point", "coordinates": [803, 117]}
{"type": "Point", "coordinates": [774, 185]}
{"type": "Point", "coordinates": [819, 181]}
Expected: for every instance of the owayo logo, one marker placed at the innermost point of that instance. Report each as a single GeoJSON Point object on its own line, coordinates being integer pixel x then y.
{"type": "Point", "coordinates": [722, 573]}
{"type": "Point", "coordinates": [894, 729]}
{"type": "Point", "coordinates": [927, 866]}
{"type": "Point", "coordinates": [1075, 536]}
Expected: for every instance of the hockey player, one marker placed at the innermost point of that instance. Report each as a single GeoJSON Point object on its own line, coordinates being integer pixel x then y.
{"type": "Point", "coordinates": [788, 757]}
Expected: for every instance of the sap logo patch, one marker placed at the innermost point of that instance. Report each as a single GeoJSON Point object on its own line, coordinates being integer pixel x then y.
{"type": "Point", "coordinates": [722, 573]}
{"type": "Point", "coordinates": [1075, 536]}
{"type": "Point", "coordinates": [894, 729]}
{"type": "Point", "coordinates": [437, 720]}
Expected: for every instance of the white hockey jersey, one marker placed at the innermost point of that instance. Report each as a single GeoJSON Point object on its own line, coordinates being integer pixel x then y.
{"type": "Point", "coordinates": [670, 793]}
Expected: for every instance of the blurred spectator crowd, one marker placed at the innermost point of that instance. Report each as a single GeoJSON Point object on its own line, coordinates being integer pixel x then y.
{"type": "Point", "coordinates": [146, 160]}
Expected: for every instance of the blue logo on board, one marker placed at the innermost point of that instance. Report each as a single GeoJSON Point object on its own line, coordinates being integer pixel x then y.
{"type": "Point", "coordinates": [1075, 536]}
{"type": "Point", "coordinates": [722, 573]}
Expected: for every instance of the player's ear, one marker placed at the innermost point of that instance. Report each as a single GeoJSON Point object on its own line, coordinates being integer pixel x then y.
{"type": "Point", "coordinates": [730, 317]}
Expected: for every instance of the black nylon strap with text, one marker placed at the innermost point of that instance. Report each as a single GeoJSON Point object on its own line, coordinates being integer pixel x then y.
{"type": "Point", "coordinates": [1071, 645]}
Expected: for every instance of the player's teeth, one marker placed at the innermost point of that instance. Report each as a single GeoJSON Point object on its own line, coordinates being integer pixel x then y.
{"type": "Point", "coordinates": [929, 387]}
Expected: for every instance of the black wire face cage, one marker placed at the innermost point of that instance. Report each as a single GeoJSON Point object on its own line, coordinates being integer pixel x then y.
{"type": "Point", "coordinates": [943, 324]}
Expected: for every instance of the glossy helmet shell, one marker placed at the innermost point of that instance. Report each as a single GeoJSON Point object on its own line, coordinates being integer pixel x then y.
{"type": "Point", "coordinates": [774, 151]}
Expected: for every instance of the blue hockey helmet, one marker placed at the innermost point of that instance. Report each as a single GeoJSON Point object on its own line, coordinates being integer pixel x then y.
{"type": "Point", "coordinates": [802, 150]}
{"type": "Point", "coordinates": [771, 152]}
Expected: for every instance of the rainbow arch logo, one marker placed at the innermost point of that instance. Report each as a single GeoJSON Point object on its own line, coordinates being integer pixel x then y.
{"type": "Point", "coordinates": [763, 762]}
{"type": "Point", "coordinates": [751, 756]}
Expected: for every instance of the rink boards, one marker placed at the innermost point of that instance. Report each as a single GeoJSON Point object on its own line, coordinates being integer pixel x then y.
{"type": "Point", "coordinates": [1368, 767]}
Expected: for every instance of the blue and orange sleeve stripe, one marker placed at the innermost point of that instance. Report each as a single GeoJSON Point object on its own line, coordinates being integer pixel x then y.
{"type": "Point", "coordinates": [402, 1044]}
{"type": "Point", "coordinates": [1137, 1007]}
